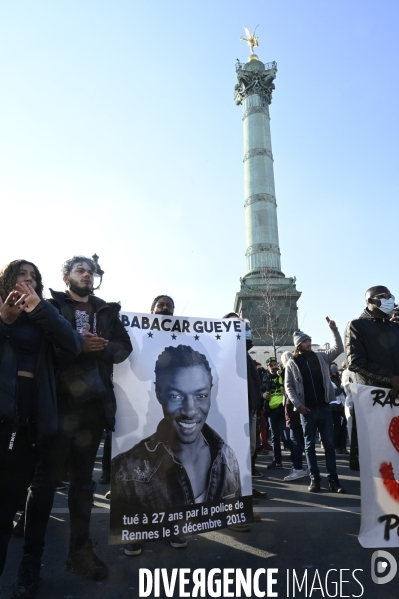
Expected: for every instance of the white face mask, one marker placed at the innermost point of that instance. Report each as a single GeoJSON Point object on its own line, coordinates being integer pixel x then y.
{"type": "Point", "coordinates": [387, 305]}
{"type": "Point", "coordinates": [248, 335]}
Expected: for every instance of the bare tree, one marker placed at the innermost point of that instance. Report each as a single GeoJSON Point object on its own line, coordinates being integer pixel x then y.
{"type": "Point", "coordinates": [275, 308]}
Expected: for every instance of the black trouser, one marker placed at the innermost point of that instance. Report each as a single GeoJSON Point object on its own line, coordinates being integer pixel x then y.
{"type": "Point", "coordinates": [106, 461]}
{"type": "Point", "coordinates": [16, 471]}
{"type": "Point", "coordinates": [80, 432]}
{"type": "Point", "coordinates": [276, 419]}
{"type": "Point", "coordinates": [17, 465]}
{"type": "Point", "coordinates": [340, 428]}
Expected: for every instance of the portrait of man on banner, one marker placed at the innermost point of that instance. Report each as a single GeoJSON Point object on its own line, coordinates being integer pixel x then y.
{"type": "Point", "coordinates": [181, 460]}
{"type": "Point", "coordinates": [184, 461]}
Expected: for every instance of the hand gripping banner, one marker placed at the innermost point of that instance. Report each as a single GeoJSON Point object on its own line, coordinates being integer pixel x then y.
{"type": "Point", "coordinates": [377, 421]}
{"type": "Point", "coordinates": [180, 451]}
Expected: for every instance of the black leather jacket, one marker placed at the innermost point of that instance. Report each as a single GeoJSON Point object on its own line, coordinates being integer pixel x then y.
{"type": "Point", "coordinates": [372, 349]}
{"type": "Point", "coordinates": [253, 381]}
{"type": "Point", "coordinates": [150, 477]}
{"type": "Point", "coordinates": [58, 332]}
{"type": "Point", "coordinates": [108, 326]}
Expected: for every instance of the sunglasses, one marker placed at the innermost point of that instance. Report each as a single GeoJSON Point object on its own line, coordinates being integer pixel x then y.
{"type": "Point", "coordinates": [384, 296]}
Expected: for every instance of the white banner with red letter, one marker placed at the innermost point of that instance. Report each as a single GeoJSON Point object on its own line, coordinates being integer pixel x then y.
{"type": "Point", "coordinates": [377, 421]}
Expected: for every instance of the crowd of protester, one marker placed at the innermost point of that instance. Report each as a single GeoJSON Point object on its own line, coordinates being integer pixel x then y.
{"type": "Point", "coordinates": [56, 400]}
{"type": "Point", "coordinates": [297, 398]}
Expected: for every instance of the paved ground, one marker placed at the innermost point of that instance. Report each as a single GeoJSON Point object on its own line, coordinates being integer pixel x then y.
{"type": "Point", "coordinates": [299, 530]}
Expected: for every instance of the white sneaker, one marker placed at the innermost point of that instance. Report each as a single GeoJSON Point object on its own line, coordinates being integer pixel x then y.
{"type": "Point", "coordinates": [295, 474]}
{"type": "Point", "coordinates": [306, 471]}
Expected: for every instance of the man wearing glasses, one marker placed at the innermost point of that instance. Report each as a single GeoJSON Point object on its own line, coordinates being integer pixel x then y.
{"type": "Point", "coordinates": [372, 349]}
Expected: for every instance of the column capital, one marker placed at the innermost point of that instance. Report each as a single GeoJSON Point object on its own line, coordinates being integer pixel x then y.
{"type": "Point", "coordinates": [255, 78]}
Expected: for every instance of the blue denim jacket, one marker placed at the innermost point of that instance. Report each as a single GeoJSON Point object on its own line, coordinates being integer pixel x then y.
{"type": "Point", "coordinates": [150, 477]}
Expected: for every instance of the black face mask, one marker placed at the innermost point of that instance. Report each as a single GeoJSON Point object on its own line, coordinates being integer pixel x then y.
{"type": "Point", "coordinates": [79, 291]}
{"type": "Point", "coordinates": [165, 312]}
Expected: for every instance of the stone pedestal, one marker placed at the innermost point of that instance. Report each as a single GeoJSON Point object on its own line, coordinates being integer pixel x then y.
{"type": "Point", "coordinates": [270, 303]}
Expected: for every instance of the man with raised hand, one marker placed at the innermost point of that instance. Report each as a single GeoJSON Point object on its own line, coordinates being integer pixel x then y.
{"type": "Point", "coordinates": [308, 387]}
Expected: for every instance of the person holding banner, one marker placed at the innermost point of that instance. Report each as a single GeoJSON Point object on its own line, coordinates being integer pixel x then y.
{"type": "Point", "coordinates": [372, 342]}
{"type": "Point", "coordinates": [308, 387]}
{"type": "Point", "coordinates": [163, 304]}
{"type": "Point", "coordinates": [372, 349]}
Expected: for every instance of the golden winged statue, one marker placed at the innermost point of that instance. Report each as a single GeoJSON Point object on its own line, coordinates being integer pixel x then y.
{"type": "Point", "coordinates": [251, 39]}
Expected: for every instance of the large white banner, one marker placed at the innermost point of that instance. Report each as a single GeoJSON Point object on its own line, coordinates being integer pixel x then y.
{"type": "Point", "coordinates": [377, 420]}
{"type": "Point", "coordinates": [180, 451]}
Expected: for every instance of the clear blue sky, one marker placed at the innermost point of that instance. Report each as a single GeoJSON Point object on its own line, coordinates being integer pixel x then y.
{"type": "Point", "coordinates": [119, 135]}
